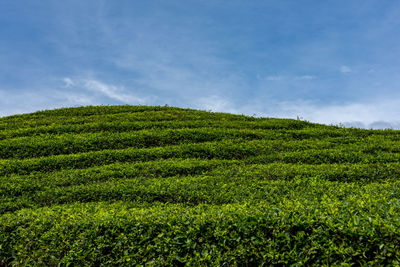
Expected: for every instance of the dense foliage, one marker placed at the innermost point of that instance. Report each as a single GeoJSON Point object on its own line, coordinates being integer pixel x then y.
{"type": "Point", "coordinates": [128, 185]}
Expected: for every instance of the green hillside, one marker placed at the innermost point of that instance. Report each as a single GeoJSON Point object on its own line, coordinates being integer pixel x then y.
{"type": "Point", "coordinates": [128, 185]}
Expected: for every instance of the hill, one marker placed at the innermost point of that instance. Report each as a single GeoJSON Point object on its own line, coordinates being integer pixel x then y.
{"type": "Point", "coordinates": [127, 185]}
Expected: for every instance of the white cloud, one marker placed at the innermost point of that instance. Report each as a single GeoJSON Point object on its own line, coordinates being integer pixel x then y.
{"type": "Point", "coordinates": [98, 88]}
{"type": "Point", "coordinates": [306, 77]}
{"type": "Point", "coordinates": [23, 102]}
{"type": "Point", "coordinates": [382, 114]}
{"type": "Point", "coordinates": [215, 103]}
{"type": "Point", "coordinates": [378, 115]}
{"type": "Point", "coordinates": [290, 78]}
{"type": "Point", "coordinates": [345, 69]}
{"type": "Point", "coordinates": [177, 82]}
{"type": "Point", "coordinates": [112, 91]}
{"type": "Point", "coordinates": [68, 82]}
{"type": "Point", "coordinates": [275, 78]}
{"type": "Point", "coordinates": [77, 99]}
{"type": "Point", "coordinates": [66, 92]}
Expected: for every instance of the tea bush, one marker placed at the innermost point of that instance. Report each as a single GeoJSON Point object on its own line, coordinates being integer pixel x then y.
{"type": "Point", "coordinates": [161, 186]}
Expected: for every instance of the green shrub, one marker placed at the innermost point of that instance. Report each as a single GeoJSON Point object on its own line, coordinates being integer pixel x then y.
{"type": "Point", "coordinates": [160, 186]}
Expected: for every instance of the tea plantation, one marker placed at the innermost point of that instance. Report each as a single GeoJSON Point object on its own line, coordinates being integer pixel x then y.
{"type": "Point", "coordinates": [155, 186]}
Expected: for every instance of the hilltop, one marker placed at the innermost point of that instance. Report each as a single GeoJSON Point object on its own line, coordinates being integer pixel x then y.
{"type": "Point", "coordinates": [127, 185]}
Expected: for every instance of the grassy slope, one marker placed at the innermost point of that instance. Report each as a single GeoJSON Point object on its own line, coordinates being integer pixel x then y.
{"type": "Point", "coordinates": [156, 185]}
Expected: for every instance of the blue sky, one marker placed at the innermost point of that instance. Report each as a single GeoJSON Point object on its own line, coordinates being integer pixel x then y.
{"type": "Point", "coordinates": [325, 61]}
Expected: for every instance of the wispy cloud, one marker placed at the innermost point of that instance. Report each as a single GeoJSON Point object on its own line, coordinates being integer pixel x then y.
{"type": "Point", "coordinates": [77, 99]}
{"type": "Point", "coordinates": [24, 102]}
{"type": "Point", "coordinates": [345, 69]}
{"type": "Point", "coordinates": [68, 82]}
{"type": "Point", "coordinates": [66, 93]}
{"type": "Point", "coordinates": [198, 54]}
{"type": "Point", "coordinates": [113, 92]}
{"type": "Point", "coordinates": [307, 77]}
{"type": "Point", "coordinates": [275, 78]}
{"type": "Point", "coordinates": [215, 103]}
{"type": "Point", "coordinates": [380, 114]}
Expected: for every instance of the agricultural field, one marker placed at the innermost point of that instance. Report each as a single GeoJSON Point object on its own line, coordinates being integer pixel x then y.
{"type": "Point", "coordinates": [162, 186]}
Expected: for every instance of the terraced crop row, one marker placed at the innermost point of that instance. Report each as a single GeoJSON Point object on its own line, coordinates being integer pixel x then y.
{"type": "Point", "coordinates": [130, 185]}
